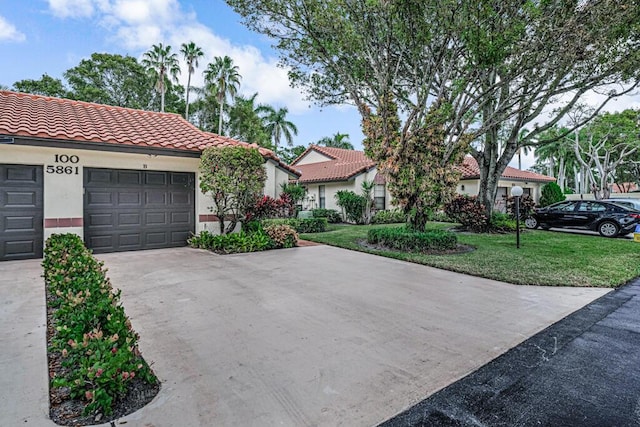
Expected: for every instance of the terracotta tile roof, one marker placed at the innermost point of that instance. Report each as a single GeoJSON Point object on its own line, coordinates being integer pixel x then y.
{"type": "Point", "coordinates": [41, 117]}
{"type": "Point", "coordinates": [470, 170]}
{"type": "Point", "coordinates": [216, 140]}
{"type": "Point", "coordinates": [37, 116]}
{"type": "Point", "coordinates": [344, 164]}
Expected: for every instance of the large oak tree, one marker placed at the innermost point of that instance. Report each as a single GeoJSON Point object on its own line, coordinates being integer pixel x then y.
{"type": "Point", "coordinates": [489, 68]}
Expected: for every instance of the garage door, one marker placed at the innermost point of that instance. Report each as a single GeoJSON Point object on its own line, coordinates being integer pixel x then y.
{"type": "Point", "coordinates": [21, 214]}
{"type": "Point", "coordinates": [127, 210]}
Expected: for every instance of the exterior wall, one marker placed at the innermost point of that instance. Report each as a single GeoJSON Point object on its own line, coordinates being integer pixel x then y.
{"type": "Point", "coordinates": [590, 196]}
{"type": "Point", "coordinates": [275, 178]}
{"type": "Point", "coordinates": [64, 192]}
{"type": "Point", "coordinates": [472, 187]}
{"type": "Point", "coordinates": [312, 200]}
{"type": "Point", "coordinates": [312, 157]}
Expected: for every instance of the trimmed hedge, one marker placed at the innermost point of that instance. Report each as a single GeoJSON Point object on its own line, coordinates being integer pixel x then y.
{"type": "Point", "coordinates": [395, 216]}
{"type": "Point", "coordinates": [405, 240]}
{"type": "Point", "coordinates": [306, 225]}
{"type": "Point", "coordinates": [332, 215]}
{"type": "Point", "coordinates": [232, 243]}
{"type": "Point", "coordinates": [91, 332]}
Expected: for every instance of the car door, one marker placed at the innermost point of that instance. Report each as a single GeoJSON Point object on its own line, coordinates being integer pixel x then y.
{"type": "Point", "coordinates": [557, 215]}
{"type": "Point", "coordinates": [586, 213]}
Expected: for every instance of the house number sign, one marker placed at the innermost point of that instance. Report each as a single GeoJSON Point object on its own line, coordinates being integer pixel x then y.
{"type": "Point", "coordinates": [64, 165]}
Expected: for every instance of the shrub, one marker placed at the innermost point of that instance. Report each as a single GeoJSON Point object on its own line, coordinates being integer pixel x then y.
{"type": "Point", "coordinates": [268, 207]}
{"type": "Point", "coordinates": [92, 334]}
{"type": "Point", "coordinates": [282, 235]}
{"type": "Point", "coordinates": [526, 206]}
{"type": "Point", "coordinates": [502, 222]}
{"type": "Point", "coordinates": [551, 193]}
{"type": "Point", "coordinates": [301, 225]}
{"type": "Point", "coordinates": [467, 211]}
{"type": "Point", "coordinates": [332, 215]}
{"type": "Point", "coordinates": [353, 205]}
{"type": "Point", "coordinates": [405, 240]}
{"type": "Point", "coordinates": [294, 192]}
{"type": "Point", "coordinates": [389, 217]}
{"type": "Point", "coordinates": [232, 243]}
{"type": "Point", "coordinates": [439, 216]}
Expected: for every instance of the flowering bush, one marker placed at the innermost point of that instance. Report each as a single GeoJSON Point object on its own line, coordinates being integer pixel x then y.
{"type": "Point", "coordinates": [469, 212]}
{"type": "Point", "coordinates": [92, 334]}
{"type": "Point", "coordinates": [282, 235]}
{"type": "Point", "coordinates": [268, 207]}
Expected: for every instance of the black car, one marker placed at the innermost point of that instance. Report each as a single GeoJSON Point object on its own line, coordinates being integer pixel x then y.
{"type": "Point", "coordinates": [608, 219]}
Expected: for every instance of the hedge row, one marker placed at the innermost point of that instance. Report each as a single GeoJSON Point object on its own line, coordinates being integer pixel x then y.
{"type": "Point", "coordinates": [306, 225]}
{"type": "Point", "coordinates": [260, 238]}
{"type": "Point", "coordinates": [91, 333]}
{"type": "Point", "coordinates": [402, 239]}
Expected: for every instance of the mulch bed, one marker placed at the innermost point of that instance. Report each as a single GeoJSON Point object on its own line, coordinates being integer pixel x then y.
{"type": "Point", "coordinates": [64, 410]}
{"type": "Point", "coordinates": [460, 249]}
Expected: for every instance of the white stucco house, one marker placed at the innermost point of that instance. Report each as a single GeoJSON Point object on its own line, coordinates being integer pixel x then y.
{"type": "Point", "coordinates": [122, 179]}
{"type": "Point", "coordinates": [325, 170]}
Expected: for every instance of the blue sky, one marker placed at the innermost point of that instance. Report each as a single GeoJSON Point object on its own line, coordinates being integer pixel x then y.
{"type": "Point", "coordinates": [51, 36]}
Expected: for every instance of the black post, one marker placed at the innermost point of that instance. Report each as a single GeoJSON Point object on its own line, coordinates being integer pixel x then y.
{"type": "Point", "coordinates": [517, 222]}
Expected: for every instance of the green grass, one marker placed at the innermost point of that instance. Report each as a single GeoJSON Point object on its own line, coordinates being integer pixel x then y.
{"type": "Point", "coordinates": [544, 258]}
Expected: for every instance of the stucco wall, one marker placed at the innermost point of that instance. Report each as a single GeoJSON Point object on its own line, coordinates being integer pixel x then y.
{"type": "Point", "coordinates": [472, 186]}
{"type": "Point", "coordinates": [63, 192]}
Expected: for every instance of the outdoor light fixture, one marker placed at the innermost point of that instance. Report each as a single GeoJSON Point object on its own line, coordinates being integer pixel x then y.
{"type": "Point", "coordinates": [516, 191]}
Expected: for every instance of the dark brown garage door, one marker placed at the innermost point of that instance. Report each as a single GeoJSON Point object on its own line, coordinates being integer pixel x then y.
{"type": "Point", "coordinates": [127, 210]}
{"type": "Point", "coordinates": [21, 213]}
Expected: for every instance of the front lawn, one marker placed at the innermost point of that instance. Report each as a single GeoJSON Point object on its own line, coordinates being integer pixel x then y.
{"type": "Point", "coordinates": [544, 257]}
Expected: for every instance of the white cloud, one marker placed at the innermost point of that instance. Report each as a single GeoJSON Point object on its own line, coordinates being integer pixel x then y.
{"type": "Point", "coordinates": [136, 25]}
{"type": "Point", "coordinates": [72, 8]}
{"type": "Point", "coordinates": [8, 32]}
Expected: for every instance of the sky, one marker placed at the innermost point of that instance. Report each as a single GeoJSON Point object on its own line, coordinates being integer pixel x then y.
{"type": "Point", "coordinates": [51, 36]}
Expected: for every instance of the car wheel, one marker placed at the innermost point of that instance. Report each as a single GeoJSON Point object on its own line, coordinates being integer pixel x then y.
{"type": "Point", "coordinates": [531, 222]}
{"type": "Point", "coordinates": [608, 229]}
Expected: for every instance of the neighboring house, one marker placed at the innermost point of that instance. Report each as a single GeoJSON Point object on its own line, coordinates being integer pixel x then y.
{"type": "Point", "coordinates": [530, 182]}
{"type": "Point", "coordinates": [324, 171]}
{"type": "Point", "coordinates": [122, 179]}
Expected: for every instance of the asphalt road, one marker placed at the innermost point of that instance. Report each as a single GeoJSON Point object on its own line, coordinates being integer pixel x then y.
{"type": "Point", "coordinates": [582, 371]}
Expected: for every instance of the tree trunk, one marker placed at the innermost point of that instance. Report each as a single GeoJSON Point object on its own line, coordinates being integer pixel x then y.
{"type": "Point", "coordinates": [220, 118]}
{"type": "Point", "coordinates": [186, 110]}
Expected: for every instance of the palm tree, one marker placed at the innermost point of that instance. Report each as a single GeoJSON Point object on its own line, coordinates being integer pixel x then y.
{"type": "Point", "coordinates": [338, 140]}
{"type": "Point", "coordinates": [245, 122]}
{"type": "Point", "coordinates": [223, 79]}
{"type": "Point", "coordinates": [523, 148]}
{"type": "Point", "coordinates": [277, 125]}
{"type": "Point", "coordinates": [163, 65]}
{"type": "Point", "coordinates": [191, 54]}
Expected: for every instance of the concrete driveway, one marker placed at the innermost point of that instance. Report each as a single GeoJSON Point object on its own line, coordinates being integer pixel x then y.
{"type": "Point", "coordinates": [304, 336]}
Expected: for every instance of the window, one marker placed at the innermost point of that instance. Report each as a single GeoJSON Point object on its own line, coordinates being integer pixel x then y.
{"type": "Point", "coordinates": [378, 195]}
{"type": "Point", "coordinates": [526, 192]}
{"type": "Point", "coordinates": [503, 193]}
{"type": "Point", "coordinates": [321, 199]}
{"type": "Point", "coordinates": [592, 207]}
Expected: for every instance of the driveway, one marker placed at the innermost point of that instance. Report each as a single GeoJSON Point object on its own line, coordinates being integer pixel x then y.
{"type": "Point", "coordinates": [304, 336]}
